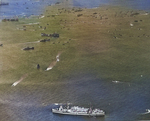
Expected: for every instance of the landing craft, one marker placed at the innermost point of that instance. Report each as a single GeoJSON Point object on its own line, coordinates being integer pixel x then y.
{"type": "Point", "coordinates": [49, 68]}
{"type": "Point", "coordinates": [28, 48]}
{"type": "Point", "coordinates": [147, 111]}
{"type": "Point", "coordinates": [15, 83]}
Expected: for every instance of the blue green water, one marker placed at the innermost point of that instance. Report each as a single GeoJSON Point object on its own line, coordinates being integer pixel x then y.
{"type": "Point", "coordinates": [122, 101]}
{"type": "Point", "coordinates": [35, 7]}
{"type": "Point", "coordinates": [135, 4]}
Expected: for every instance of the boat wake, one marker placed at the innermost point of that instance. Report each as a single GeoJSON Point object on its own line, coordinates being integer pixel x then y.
{"type": "Point", "coordinates": [147, 112]}
{"type": "Point", "coordinates": [117, 81]}
{"type": "Point", "coordinates": [51, 65]}
{"type": "Point", "coordinates": [20, 80]}
{"type": "Point", "coordinates": [16, 104]}
{"type": "Point", "coordinates": [54, 62]}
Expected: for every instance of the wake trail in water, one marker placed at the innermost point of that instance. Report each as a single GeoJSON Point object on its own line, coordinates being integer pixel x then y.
{"type": "Point", "coordinates": [54, 62]}
{"type": "Point", "coordinates": [20, 80]}
{"type": "Point", "coordinates": [147, 112]}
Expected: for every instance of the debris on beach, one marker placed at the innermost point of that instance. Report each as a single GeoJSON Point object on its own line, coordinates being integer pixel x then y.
{"type": "Point", "coordinates": [131, 24]}
{"type": "Point", "coordinates": [78, 10]}
{"type": "Point", "coordinates": [23, 29]}
{"type": "Point", "coordinates": [32, 23]}
{"type": "Point", "coordinates": [50, 35]}
{"type": "Point", "coordinates": [145, 14]}
{"type": "Point", "coordinates": [45, 40]}
{"type": "Point", "coordinates": [41, 17]}
{"type": "Point", "coordinates": [134, 14]}
{"type": "Point", "coordinates": [79, 15]}
{"type": "Point", "coordinates": [136, 21]}
{"type": "Point", "coordinates": [20, 80]}
{"type": "Point", "coordinates": [57, 3]}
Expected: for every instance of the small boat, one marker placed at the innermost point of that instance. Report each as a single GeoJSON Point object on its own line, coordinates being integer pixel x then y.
{"type": "Point", "coordinates": [147, 112]}
{"type": "Point", "coordinates": [115, 81]}
{"type": "Point", "coordinates": [79, 111]}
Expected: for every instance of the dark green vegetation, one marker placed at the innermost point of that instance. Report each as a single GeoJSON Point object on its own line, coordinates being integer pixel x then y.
{"type": "Point", "coordinates": [109, 42]}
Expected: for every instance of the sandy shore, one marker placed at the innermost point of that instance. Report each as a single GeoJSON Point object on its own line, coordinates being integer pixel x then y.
{"type": "Point", "coordinates": [111, 42]}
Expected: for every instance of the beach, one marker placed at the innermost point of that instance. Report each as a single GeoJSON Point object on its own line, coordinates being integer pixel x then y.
{"type": "Point", "coordinates": [79, 46]}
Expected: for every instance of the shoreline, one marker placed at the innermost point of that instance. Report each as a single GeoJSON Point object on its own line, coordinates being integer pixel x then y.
{"type": "Point", "coordinates": [21, 15]}
{"type": "Point", "coordinates": [101, 22]}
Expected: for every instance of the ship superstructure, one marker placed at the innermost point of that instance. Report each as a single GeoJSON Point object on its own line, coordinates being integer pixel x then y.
{"type": "Point", "coordinates": [76, 110]}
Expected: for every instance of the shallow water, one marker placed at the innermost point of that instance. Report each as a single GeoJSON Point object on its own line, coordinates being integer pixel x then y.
{"type": "Point", "coordinates": [25, 8]}
{"type": "Point", "coordinates": [134, 4]}
{"type": "Point", "coordinates": [121, 101]}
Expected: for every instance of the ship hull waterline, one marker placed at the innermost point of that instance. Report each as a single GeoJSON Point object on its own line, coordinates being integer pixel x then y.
{"type": "Point", "coordinates": [76, 114]}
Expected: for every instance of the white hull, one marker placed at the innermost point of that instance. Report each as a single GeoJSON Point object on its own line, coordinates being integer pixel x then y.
{"type": "Point", "coordinates": [77, 113]}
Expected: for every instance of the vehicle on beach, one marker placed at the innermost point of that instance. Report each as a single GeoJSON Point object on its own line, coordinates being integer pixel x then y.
{"type": "Point", "coordinates": [80, 111]}
{"type": "Point", "coordinates": [44, 40]}
{"type": "Point", "coordinates": [28, 48]}
{"type": "Point", "coordinates": [12, 19]}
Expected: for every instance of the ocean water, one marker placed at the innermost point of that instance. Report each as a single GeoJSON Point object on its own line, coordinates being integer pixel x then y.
{"type": "Point", "coordinates": [121, 101]}
{"type": "Point", "coordinates": [21, 8]}
{"type": "Point", "coordinates": [134, 4]}
{"type": "Point", "coordinates": [24, 8]}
